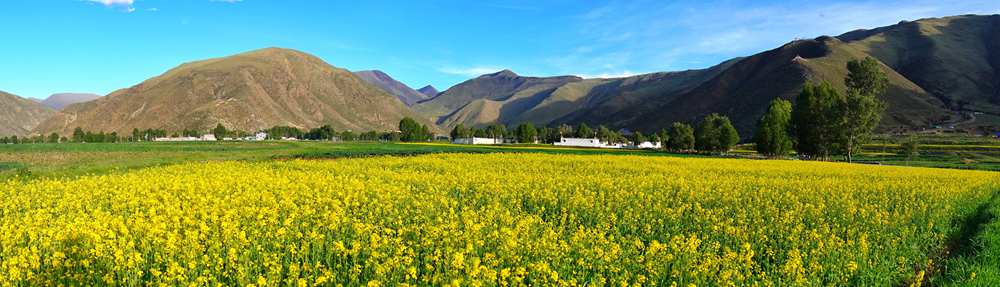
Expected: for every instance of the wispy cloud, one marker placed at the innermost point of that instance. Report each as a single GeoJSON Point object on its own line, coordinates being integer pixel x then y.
{"type": "Point", "coordinates": [469, 71]}
{"type": "Point", "coordinates": [656, 35]}
{"type": "Point", "coordinates": [127, 4]}
{"type": "Point", "coordinates": [622, 74]}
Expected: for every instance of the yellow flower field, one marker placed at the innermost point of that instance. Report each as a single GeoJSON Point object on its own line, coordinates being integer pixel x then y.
{"type": "Point", "coordinates": [487, 219]}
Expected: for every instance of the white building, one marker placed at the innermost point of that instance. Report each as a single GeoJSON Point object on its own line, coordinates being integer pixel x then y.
{"type": "Point", "coordinates": [477, 141]}
{"type": "Point", "coordinates": [648, 145]}
{"type": "Point", "coordinates": [581, 142]}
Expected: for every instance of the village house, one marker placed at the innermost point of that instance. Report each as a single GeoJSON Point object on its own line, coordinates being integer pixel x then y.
{"type": "Point", "coordinates": [585, 142]}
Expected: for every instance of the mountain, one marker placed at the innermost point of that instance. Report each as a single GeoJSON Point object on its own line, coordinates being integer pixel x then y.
{"type": "Point", "coordinates": [405, 94]}
{"type": "Point", "coordinates": [429, 91]}
{"type": "Point", "coordinates": [18, 116]}
{"type": "Point", "coordinates": [249, 91]}
{"type": "Point", "coordinates": [60, 101]}
{"type": "Point", "coordinates": [941, 71]}
{"type": "Point", "coordinates": [489, 98]}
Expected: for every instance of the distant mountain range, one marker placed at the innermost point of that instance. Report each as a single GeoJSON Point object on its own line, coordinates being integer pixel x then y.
{"type": "Point", "coordinates": [18, 116]}
{"type": "Point", "coordinates": [249, 91]}
{"type": "Point", "coordinates": [61, 100]}
{"type": "Point", "coordinates": [942, 71]}
{"type": "Point", "coordinates": [429, 91]}
{"type": "Point", "coordinates": [383, 81]}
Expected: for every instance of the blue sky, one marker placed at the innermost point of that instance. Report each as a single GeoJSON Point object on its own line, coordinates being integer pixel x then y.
{"type": "Point", "coordinates": [99, 46]}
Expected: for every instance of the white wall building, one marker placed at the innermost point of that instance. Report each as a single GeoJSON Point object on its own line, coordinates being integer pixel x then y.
{"type": "Point", "coordinates": [648, 145]}
{"type": "Point", "coordinates": [477, 141]}
{"type": "Point", "coordinates": [582, 142]}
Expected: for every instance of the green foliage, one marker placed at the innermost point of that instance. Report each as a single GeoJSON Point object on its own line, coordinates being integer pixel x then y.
{"type": "Point", "coordinates": [861, 109]}
{"type": "Point", "coordinates": [324, 133]}
{"type": "Point", "coordinates": [496, 131]}
{"type": "Point", "coordinates": [816, 120]}
{"type": "Point", "coordinates": [460, 131]}
{"type": "Point", "coordinates": [584, 131]}
{"type": "Point", "coordinates": [716, 133]}
{"type": "Point", "coordinates": [681, 137]}
{"type": "Point", "coordinates": [525, 133]}
{"type": "Point", "coordinates": [219, 132]}
{"type": "Point", "coordinates": [772, 136]}
{"type": "Point", "coordinates": [279, 132]}
{"type": "Point", "coordinates": [412, 131]}
{"type": "Point", "coordinates": [910, 148]}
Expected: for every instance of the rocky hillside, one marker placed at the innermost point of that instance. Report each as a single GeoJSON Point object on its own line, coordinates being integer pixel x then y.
{"type": "Point", "coordinates": [385, 82]}
{"type": "Point", "coordinates": [942, 72]}
{"type": "Point", "coordinates": [61, 100]}
{"type": "Point", "coordinates": [18, 116]}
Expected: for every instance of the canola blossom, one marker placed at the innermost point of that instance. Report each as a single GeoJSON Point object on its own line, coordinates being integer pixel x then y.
{"type": "Point", "coordinates": [487, 220]}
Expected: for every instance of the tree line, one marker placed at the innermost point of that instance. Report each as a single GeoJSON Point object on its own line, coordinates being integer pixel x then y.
{"type": "Point", "coordinates": [824, 122]}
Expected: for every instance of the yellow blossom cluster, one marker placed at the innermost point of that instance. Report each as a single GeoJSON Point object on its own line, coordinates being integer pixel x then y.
{"type": "Point", "coordinates": [486, 220]}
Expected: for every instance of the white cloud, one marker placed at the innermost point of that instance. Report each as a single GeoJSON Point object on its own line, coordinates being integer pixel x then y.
{"type": "Point", "coordinates": [470, 71]}
{"type": "Point", "coordinates": [622, 74]}
{"type": "Point", "coordinates": [115, 2]}
{"type": "Point", "coordinates": [661, 35]}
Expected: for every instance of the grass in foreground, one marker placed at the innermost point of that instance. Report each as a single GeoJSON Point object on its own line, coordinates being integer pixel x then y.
{"type": "Point", "coordinates": [32, 161]}
{"type": "Point", "coordinates": [531, 219]}
{"type": "Point", "coordinates": [978, 264]}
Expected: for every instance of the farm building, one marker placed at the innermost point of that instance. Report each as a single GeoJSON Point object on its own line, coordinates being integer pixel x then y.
{"type": "Point", "coordinates": [477, 141]}
{"type": "Point", "coordinates": [584, 142]}
{"type": "Point", "coordinates": [648, 145]}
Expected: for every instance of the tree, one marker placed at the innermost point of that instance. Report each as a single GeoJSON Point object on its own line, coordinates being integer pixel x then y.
{"type": "Point", "coordinates": [53, 138]}
{"type": "Point", "coordinates": [496, 131]}
{"type": "Point", "coordinates": [525, 133]}
{"type": "Point", "coordinates": [136, 134]}
{"type": "Point", "coordinates": [716, 134]}
{"type": "Point", "coordinates": [861, 109]}
{"type": "Point", "coordinates": [78, 135]}
{"type": "Point", "coordinates": [605, 134]}
{"type": "Point", "coordinates": [910, 148]}
{"type": "Point", "coordinates": [220, 132]}
{"type": "Point", "coordinates": [584, 131]}
{"type": "Point", "coordinates": [681, 137]}
{"type": "Point", "coordinates": [772, 137]}
{"type": "Point", "coordinates": [638, 138]}
{"type": "Point", "coordinates": [664, 137]}
{"type": "Point", "coordinates": [412, 130]}
{"type": "Point", "coordinates": [460, 131]}
{"type": "Point", "coordinates": [815, 120]}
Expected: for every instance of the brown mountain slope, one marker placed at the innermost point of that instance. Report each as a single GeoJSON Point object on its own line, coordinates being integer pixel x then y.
{"type": "Point", "coordinates": [940, 70]}
{"type": "Point", "coordinates": [18, 116]}
{"type": "Point", "coordinates": [744, 90]}
{"type": "Point", "coordinates": [953, 58]}
{"type": "Point", "coordinates": [408, 95]}
{"type": "Point", "coordinates": [501, 86]}
{"type": "Point", "coordinates": [249, 91]}
{"type": "Point", "coordinates": [62, 100]}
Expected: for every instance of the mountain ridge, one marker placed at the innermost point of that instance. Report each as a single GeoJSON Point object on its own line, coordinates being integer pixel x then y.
{"type": "Point", "coordinates": [247, 91]}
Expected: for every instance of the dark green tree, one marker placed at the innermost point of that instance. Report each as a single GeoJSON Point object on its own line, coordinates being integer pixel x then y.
{"type": "Point", "coordinates": [220, 132]}
{"type": "Point", "coordinates": [78, 135]}
{"type": "Point", "coordinates": [53, 138]}
{"type": "Point", "coordinates": [816, 121]}
{"type": "Point", "coordinates": [525, 133]}
{"type": "Point", "coordinates": [861, 108]}
{"type": "Point", "coordinates": [681, 137]}
{"type": "Point", "coordinates": [584, 131]}
{"type": "Point", "coordinates": [716, 133]}
{"type": "Point", "coordinates": [411, 130]}
{"type": "Point", "coordinates": [460, 131]}
{"type": "Point", "coordinates": [772, 137]}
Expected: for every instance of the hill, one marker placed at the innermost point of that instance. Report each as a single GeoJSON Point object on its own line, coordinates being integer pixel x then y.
{"type": "Point", "coordinates": [941, 71]}
{"type": "Point", "coordinates": [429, 91]}
{"type": "Point", "coordinates": [385, 82]}
{"type": "Point", "coordinates": [18, 116]}
{"type": "Point", "coordinates": [61, 100]}
{"type": "Point", "coordinates": [248, 91]}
